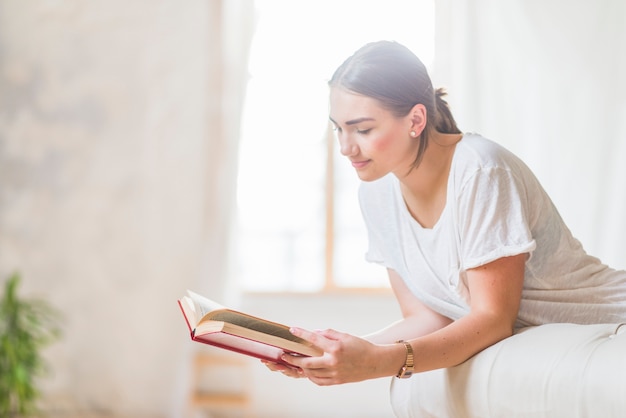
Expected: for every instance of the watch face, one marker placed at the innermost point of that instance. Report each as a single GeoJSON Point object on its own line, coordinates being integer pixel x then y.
{"type": "Point", "coordinates": [404, 373]}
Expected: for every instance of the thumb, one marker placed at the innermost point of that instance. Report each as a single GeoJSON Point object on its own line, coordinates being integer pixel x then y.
{"type": "Point", "coordinates": [322, 339]}
{"type": "Point", "coordinates": [331, 334]}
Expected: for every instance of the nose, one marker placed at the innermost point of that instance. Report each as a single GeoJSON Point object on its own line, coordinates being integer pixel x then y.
{"type": "Point", "coordinates": [347, 147]}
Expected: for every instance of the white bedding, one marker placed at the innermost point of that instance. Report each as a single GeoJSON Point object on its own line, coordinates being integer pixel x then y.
{"type": "Point", "coordinates": [548, 371]}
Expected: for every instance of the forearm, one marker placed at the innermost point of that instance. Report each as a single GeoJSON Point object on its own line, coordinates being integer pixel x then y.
{"type": "Point", "coordinates": [457, 342]}
{"type": "Point", "coordinates": [442, 348]}
{"type": "Point", "coordinates": [408, 328]}
{"type": "Point", "coordinates": [437, 342]}
{"type": "Point", "coordinates": [350, 359]}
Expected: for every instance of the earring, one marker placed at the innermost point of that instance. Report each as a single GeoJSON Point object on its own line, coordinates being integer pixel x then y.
{"type": "Point", "coordinates": [413, 134]}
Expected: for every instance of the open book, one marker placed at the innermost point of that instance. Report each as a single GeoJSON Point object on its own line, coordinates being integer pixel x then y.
{"type": "Point", "coordinates": [213, 324]}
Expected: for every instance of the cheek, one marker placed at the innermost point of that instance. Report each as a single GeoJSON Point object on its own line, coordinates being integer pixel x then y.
{"type": "Point", "coordinates": [383, 142]}
{"type": "Point", "coordinates": [386, 143]}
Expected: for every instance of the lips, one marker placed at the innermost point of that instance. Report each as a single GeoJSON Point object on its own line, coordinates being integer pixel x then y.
{"type": "Point", "coordinates": [360, 164]}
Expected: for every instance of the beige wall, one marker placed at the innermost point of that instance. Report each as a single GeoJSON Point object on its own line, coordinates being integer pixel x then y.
{"type": "Point", "coordinates": [103, 163]}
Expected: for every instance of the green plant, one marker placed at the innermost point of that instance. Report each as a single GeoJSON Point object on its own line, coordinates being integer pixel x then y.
{"type": "Point", "coordinates": [26, 327]}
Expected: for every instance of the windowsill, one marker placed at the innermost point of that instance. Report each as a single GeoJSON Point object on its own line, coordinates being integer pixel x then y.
{"type": "Point", "coordinates": [339, 291]}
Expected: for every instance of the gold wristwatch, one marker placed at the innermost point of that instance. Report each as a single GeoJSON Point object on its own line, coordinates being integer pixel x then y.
{"type": "Point", "coordinates": [407, 370]}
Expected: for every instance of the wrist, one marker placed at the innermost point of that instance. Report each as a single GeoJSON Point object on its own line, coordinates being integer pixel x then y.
{"type": "Point", "coordinates": [408, 367]}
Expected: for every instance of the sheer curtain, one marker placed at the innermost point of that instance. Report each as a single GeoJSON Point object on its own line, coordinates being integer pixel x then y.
{"type": "Point", "coordinates": [546, 79]}
{"type": "Point", "coordinates": [233, 24]}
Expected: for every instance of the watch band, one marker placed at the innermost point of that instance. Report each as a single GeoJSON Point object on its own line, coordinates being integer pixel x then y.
{"type": "Point", "coordinates": [407, 370]}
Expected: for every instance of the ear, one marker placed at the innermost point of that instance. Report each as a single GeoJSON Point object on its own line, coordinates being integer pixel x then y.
{"type": "Point", "coordinates": [418, 118]}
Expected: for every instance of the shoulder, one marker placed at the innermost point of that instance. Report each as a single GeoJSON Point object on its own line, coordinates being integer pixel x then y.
{"type": "Point", "coordinates": [483, 152]}
{"type": "Point", "coordinates": [476, 154]}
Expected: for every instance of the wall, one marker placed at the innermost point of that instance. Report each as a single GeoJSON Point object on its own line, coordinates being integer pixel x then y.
{"type": "Point", "coordinates": [103, 159]}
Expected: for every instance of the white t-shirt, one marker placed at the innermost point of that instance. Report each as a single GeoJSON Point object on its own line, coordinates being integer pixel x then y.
{"type": "Point", "coordinates": [495, 208]}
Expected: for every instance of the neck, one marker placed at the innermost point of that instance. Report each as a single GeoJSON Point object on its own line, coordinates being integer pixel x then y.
{"type": "Point", "coordinates": [432, 173]}
{"type": "Point", "coordinates": [425, 188]}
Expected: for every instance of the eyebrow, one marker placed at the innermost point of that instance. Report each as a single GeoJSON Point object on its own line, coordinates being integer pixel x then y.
{"type": "Point", "coordinates": [354, 121]}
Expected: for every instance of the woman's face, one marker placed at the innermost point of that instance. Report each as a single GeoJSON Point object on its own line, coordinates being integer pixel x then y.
{"type": "Point", "coordinates": [374, 140]}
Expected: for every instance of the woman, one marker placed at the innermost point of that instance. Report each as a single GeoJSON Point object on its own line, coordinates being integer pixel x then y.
{"type": "Point", "coordinates": [473, 245]}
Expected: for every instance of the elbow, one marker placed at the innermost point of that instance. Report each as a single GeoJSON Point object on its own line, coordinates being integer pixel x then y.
{"type": "Point", "coordinates": [498, 329]}
{"type": "Point", "coordinates": [503, 329]}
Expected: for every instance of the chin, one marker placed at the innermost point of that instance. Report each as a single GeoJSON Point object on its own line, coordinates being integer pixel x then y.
{"type": "Point", "coordinates": [369, 177]}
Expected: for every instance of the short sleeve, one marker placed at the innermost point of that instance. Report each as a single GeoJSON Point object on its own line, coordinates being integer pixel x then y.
{"type": "Point", "coordinates": [492, 209]}
{"type": "Point", "coordinates": [375, 201]}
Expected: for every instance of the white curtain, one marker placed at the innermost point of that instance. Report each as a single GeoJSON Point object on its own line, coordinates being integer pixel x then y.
{"type": "Point", "coordinates": [231, 27]}
{"type": "Point", "coordinates": [231, 31]}
{"type": "Point", "coordinates": [546, 79]}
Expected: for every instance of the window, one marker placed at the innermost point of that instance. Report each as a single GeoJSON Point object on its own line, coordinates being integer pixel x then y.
{"type": "Point", "coordinates": [299, 223]}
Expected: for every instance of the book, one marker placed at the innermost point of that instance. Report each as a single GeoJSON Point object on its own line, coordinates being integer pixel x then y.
{"type": "Point", "coordinates": [211, 323]}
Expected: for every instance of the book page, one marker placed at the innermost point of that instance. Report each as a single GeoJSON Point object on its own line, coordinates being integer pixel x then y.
{"type": "Point", "coordinates": [208, 310]}
{"type": "Point", "coordinates": [219, 312]}
{"type": "Point", "coordinates": [207, 331]}
{"type": "Point", "coordinates": [257, 324]}
{"type": "Point", "coordinates": [203, 305]}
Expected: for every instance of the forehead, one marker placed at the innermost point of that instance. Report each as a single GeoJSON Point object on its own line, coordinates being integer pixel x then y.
{"type": "Point", "coordinates": [346, 105]}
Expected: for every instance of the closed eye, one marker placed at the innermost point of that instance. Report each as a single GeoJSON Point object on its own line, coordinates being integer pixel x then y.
{"type": "Point", "coordinates": [363, 131]}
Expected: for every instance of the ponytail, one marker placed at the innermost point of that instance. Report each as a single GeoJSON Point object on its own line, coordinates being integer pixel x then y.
{"type": "Point", "coordinates": [445, 122]}
{"type": "Point", "coordinates": [441, 120]}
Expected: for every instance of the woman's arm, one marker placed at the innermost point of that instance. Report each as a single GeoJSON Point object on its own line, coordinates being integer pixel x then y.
{"type": "Point", "coordinates": [495, 291]}
{"type": "Point", "coordinates": [418, 319]}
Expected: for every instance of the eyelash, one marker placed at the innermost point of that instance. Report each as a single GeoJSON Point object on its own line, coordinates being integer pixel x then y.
{"type": "Point", "coordinates": [358, 131]}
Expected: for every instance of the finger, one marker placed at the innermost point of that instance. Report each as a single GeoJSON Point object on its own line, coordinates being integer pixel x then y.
{"type": "Point", "coordinates": [282, 368]}
{"type": "Point", "coordinates": [295, 361]}
{"type": "Point", "coordinates": [290, 372]}
{"type": "Point", "coordinates": [316, 338]}
{"type": "Point", "coordinates": [275, 367]}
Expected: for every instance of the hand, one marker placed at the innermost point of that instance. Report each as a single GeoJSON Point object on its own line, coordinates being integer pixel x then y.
{"type": "Point", "coordinates": [346, 359]}
{"type": "Point", "coordinates": [290, 371]}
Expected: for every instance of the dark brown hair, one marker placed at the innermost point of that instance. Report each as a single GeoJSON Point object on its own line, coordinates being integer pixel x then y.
{"type": "Point", "coordinates": [393, 75]}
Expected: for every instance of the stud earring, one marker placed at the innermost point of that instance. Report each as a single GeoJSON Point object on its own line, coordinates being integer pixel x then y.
{"type": "Point", "coordinates": [413, 134]}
